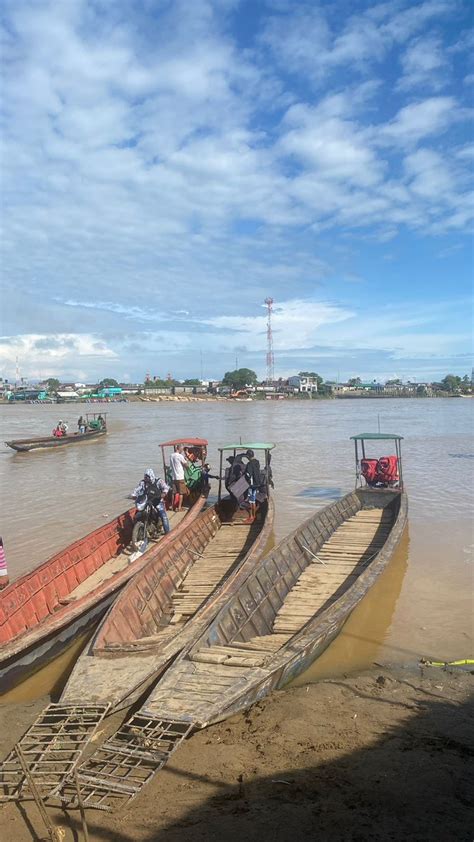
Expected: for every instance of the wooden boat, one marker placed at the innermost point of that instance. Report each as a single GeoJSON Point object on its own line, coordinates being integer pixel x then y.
{"type": "Point", "coordinates": [44, 610]}
{"type": "Point", "coordinates": [274, 624]}
{"type": "Point", "coordinates": [96, 430]}
{"type": "Point", "coordinates": [47, 442]}
{"type": "Point", "coordinates": [165, 606]}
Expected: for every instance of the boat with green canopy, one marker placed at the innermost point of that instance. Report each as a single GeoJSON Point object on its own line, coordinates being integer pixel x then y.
{"type": "Point", "coordinates": [168, 604]}
{"type": "Point", "coordinates": [271, 627]}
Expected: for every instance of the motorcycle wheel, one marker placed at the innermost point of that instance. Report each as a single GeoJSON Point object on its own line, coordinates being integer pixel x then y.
{"type": "Point", "coordinates": [139, 536]}
{"type": "Point", "coordinates": [153, 530]}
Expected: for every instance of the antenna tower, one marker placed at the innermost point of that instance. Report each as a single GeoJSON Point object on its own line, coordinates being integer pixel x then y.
{"type": "Point", "coordinates": [270, 356]}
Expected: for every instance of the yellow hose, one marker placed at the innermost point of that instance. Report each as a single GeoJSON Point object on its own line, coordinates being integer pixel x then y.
{"type": "Point", "coordinates": [461, 663]}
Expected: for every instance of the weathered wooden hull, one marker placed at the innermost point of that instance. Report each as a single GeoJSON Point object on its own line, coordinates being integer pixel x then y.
{"type": "Point", "coordinates": [116, 667]}
{"type": "Point", "coordinates": [37, 622]}
{"type": "Point", "coordinates": [254, 644]}
{"type": "Point", "coordinates": [118, 664]}
{"type": "Point", "coordinates": [301, 648]}
{"type": "Point", "coordinates": [20, 667]}
{"type": "Point", "coordinates": [48, 442]}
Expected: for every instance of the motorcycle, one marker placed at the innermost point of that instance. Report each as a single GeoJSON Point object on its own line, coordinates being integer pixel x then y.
{"type": "Point", "coordinates": [148, 518]}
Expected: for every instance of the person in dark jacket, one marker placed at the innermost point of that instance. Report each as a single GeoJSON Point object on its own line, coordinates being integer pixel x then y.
{"type": "Point", "coordinates": [253, 476]}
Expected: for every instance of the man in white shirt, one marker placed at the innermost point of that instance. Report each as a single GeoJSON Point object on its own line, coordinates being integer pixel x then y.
{"type": "Point", "coordinates": [178, 463]}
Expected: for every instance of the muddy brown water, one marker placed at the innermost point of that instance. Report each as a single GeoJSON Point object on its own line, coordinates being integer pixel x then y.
{"type": "Point", "coordinates": [421, 605]}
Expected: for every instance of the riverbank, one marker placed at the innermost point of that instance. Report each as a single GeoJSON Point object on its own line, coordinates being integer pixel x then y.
{"type": "Point", "coordinates": [385, 755]}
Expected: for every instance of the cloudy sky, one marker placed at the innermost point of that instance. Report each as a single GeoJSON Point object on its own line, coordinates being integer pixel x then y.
{"type": "Point", "coordinates": [167, 164]}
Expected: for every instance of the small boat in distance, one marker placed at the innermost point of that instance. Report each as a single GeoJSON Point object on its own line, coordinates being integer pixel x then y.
{"type": "Point", "coordinates": [96, 427]}
{"type": "Point", "coordinates": [271, 628]}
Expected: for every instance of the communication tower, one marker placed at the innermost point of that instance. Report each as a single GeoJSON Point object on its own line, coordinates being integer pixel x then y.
{"type": "Point", "coordinates": [270, 356]}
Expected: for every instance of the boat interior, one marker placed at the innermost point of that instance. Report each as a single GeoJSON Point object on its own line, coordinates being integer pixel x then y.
{"type": "Point", "coordinates": [29, 600]}
{"type": "Point", "coordinates": [171, 588]}
{"type": "Point", "coordinates": [292, 586]}
{"type": "Point", "coordinates": [242, 653]}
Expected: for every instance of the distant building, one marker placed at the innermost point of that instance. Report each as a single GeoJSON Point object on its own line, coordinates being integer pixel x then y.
{"type": "Point", "coordinates": [109, 392]}
{"type": "Point", "coordinates": [302, 384]}
{"type": "Point", "coordinates": [67, 395]}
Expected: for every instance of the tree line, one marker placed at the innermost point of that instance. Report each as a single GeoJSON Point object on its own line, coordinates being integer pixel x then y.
{"type": "Point", "coordinates": [242, 377]}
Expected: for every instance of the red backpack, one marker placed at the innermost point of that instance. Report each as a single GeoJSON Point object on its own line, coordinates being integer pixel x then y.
{"type": "Point", "coordinates": [387, 470]}
{"type": "Point", "coordinates": [368, 469]}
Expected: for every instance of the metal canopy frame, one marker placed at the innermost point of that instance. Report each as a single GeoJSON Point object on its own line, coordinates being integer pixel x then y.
{"type": "Point", "coordinates": [362, 438]}
{"type": "Point", "coordinates": [267, 447]}
{"type": "Point", "coordinates": [189, 442]}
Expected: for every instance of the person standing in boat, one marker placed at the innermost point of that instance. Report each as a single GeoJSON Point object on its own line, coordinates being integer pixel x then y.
{"type": "Point", "coordinates": [81, 425]}
{"type": "Point", "coordinates": [178, 463]}
{"type": "Point", "coordinates": [253, 475]}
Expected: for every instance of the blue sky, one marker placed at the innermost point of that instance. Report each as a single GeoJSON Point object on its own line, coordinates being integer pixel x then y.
{"type": "Point", "coordinates": [168, 165]}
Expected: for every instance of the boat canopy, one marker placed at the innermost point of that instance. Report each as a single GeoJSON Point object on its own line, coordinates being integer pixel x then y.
{"type": "Point", "coordinates": [385, 472]}
{"type": "Point", "coordinates": [192, 442]}
{"type": "Point", "coordinates": [376, 436]}
{"type": "Point", "coordinates": [259, 445]}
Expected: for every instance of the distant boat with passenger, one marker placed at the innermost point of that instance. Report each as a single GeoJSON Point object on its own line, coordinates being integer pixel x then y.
{"type": "Point", "coordinates": [95, 427]}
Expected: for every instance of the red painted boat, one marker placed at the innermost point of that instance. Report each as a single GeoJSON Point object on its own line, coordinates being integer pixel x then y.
{"type": "Point", "coordinates": [44, 610]}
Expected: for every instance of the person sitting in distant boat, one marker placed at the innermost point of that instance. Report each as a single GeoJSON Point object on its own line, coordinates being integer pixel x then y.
{"type": "Point", "coordinates": [101, 422]}
{"type": "Point", "coordinates": [64, 428]}
{"type": "Point", "coordinates": [60, 430]}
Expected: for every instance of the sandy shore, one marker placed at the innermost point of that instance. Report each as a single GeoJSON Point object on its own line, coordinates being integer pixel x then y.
{"type": "Point", "coordinates": [381, 756]}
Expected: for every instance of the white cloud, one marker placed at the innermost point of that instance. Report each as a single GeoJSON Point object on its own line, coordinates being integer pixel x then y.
{"type": "Point", "coordinates": [420, 119]}
{"type": "Point", "coordinates": [153, 167]}
{"type": "Point", "coordinates": [424, 63]}
{"type": "Point", "coordinates": [295, 324]}
{"type": "Point", "coordinates": [36, 352]}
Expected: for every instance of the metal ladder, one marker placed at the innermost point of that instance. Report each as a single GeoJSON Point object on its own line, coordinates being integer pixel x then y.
{"type": "Point", "coordinates": [51, 749]}
{"type": "Point", "coordinates": [119, 769]}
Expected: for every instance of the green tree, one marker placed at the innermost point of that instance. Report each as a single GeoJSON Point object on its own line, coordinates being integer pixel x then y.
{"type": "Point", "coordinates": [451, 383]}
{"type": "Point", "coordinates": [354, 381]}
{"type": "Point", "coordinates": [53, 384]}
{"type": "Point", "coordinates": [395, 382]}
{"type": "Point", "coordinates": [466, 385]}
{"type": "Point", "coordinates": [107, 382]}
{"type": "Point", "coordinates": [193, 381]}
{"type": "Point", "coordinates": [159, 384]}
{"type": "Point", "coordinates": [240, 378]}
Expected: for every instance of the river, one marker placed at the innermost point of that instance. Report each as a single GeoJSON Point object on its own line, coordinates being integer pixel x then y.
{"type": "Point", "coordinates": [421, 606]}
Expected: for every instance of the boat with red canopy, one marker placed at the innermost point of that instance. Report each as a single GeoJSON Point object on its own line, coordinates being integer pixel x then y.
{"type": "Point", "coordinates": [44, 610]}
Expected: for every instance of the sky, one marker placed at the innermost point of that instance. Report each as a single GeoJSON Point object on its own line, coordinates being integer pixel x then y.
{"type": "Point", "coordinates": [168, 164]}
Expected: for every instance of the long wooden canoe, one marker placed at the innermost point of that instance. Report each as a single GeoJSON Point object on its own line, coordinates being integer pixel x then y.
{"type": "Point", "coordinates": [169, 603]}
{"type": "Point", "coordinates": [24, 445]}
{"type": "Point", "coordinates": [44, 610]}
{"type": "Point", "coordinates": [275, 623]}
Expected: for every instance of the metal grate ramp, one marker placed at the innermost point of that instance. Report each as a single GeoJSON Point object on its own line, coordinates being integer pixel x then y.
{"type": "Point", "coordinates": [51, 749]}
{"type": "Point", "coordinates": [121, 767]}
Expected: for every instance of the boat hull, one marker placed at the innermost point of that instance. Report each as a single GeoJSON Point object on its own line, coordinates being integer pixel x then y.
{"type": "Point", "coordinates": [28, 644]}
{"type": "Point", "coordinates": [22, 666]}
{"type": "Point", "coordinates": [134, 665]}
{"type": "Point", "coordinates": [48, 442]}
{"type": "Point", "coordinates": [252, 604]}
